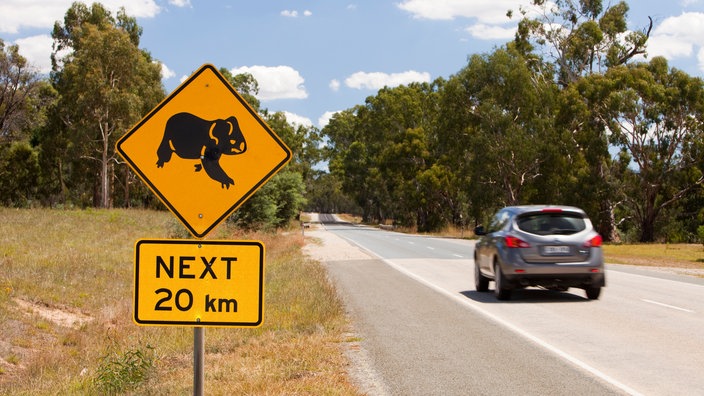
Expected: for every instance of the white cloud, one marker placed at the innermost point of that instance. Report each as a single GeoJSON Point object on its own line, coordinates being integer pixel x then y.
{"type": "Point", "coordinates": [166, 73]}
{"type": "Point", "coordinates": [277, 82]}
{"type": "Point", "coordinates": [334, 85]}
{"type": "Point", "coordinates": [486, 11]}
{"type": "Point", "coordinates": [37, 50]}
{"type": "Point", "coordinates": [297, 120]}
{"type": "Point", "coordinates": [19, 14]}
{"type": "Point", "coordinates": [325, 118]}
{"type": "Point", "coordinates": [490, 32]}
{"type": "Point", "coordinates": [294, 13]}
{"type": "Point", "coordinates": [377, 80]}
{"type": "Point", "coordinates": [180, 3]}
{"type": "Point", "coordinates": [700, 59]}
{"type": "Point", "coordinates": [677, 36]}
{"type": "Point", "coordinates": [668, 46]}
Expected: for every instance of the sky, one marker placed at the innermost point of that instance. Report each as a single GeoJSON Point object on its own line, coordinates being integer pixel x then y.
{"type": "Point", "coordinates": [313, 58]}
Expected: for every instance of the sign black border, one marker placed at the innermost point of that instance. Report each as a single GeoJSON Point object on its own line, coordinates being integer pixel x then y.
{"type": "Point", "coordinates": [244, 197]}
{"type": "Point", "coordinates": [260, 314]}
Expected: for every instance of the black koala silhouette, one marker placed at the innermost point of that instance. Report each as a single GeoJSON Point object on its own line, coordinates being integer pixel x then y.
{"type": "Point", "coordinates": [192, 137]}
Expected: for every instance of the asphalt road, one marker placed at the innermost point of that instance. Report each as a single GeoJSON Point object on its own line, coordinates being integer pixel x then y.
{"type": "Point", "coordinates": [428, 332]}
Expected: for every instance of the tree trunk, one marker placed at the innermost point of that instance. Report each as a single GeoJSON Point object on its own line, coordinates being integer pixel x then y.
{"type": "Point", "coordinates": [607, 222]}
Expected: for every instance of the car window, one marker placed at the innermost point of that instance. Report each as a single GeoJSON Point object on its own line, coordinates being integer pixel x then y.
{"type": "Point", "coordinates": [551, 223]}
{"type": "Point", "coordinates": [499, 221]}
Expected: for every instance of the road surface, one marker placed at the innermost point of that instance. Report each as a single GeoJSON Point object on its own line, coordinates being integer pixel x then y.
{"type": "Point", "coordinates": [426, 331]}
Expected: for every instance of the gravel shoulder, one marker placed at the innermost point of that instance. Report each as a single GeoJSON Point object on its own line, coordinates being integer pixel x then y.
{"type": "Point", "coordinates": [324, 246]}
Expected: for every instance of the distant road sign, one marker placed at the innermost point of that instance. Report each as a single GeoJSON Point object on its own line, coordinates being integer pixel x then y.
{"type": "Point", "coordinates": [203, 151]}
{"type": "Point", "coordinates": [199, 283]}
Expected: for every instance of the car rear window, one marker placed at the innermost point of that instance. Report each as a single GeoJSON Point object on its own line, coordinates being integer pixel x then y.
{"type": "Point", "coordinates": [561, 223]}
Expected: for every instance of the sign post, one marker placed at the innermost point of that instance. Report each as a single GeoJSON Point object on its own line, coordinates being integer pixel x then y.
{"type": "Point", "coordinates": [203, 151]}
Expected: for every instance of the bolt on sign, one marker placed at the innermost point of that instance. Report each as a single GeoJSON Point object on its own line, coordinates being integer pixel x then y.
{"type": "Point", "coordinates": [199, 283]}
{"type": "Point", "coordinates": [203, 151]}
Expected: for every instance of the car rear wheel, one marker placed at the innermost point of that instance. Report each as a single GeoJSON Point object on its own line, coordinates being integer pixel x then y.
{"type": "Point", "coordinates": [593, 292]}
{"type": "Point", "coordinates": [500, 290]}
{"type": "Point", "coordinates": [481, 282]}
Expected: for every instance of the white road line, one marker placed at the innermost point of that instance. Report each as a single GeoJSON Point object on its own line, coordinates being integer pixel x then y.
{"type": "Point", "coordinates": [667, 305]}
{"type": "Point", "coordinates": [430, 247]}
{"type": "Point", "coordinates": [457, 255]}
{"type": "Point", "coordinates": [477, 307]}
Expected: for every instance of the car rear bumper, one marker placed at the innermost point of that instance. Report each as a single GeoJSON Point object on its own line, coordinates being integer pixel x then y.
{"type": "Point", "coordinates": [577, 279]}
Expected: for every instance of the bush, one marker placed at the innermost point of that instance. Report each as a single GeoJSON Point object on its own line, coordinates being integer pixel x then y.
{"type": "Point", "coordinates": [19, 174]}
{"type": "Point", "coordinates": [700, 233]}
{"type": "Point", "coordinates": [120, 372]}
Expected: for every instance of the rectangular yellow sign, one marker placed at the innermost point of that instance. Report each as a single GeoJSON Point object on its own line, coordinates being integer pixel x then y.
{"type": "Point", "coordinates": [199, 283]}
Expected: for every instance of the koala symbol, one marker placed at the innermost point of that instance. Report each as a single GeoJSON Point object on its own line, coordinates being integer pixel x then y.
{"type": "Point", "coordinates": [192, 137]}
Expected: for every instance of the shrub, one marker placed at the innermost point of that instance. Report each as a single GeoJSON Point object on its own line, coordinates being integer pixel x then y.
{"type": "Point", "coordinates": [120, 372]}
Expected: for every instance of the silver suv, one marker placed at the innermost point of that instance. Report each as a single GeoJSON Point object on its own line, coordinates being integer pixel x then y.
{"type": "Point", "coordinates": [554, 247]}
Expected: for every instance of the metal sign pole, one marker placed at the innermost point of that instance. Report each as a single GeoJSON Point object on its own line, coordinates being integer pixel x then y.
{"type": "Point", "coordinates": [198, 360]}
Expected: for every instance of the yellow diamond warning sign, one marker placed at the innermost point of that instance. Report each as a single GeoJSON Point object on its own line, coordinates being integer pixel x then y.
{"type": "Point", "coordinates": [203, 151]}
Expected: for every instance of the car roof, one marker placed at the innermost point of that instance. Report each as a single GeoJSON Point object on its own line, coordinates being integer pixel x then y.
{"type": "Point", "coordinates": [520, 209]}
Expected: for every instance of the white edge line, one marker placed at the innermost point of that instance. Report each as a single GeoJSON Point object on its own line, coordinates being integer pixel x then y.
{"type": "Point", "coordinates": [464, 301]}
{"type": "Point", "coordinates": [476, 307]}
{"type": "Point", "coordinates": [667, 305]}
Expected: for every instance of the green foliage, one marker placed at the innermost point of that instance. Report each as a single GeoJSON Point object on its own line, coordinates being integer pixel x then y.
{"type": "Point", "coordinates": [19, 174]}
{"type": "Point", "coordinates": [23, 96]}
{"type": "Point", "coordinates": [120, 372]}
{"type": "Point", "coordinates": [106, 84]}
{"type": "Point", "coordinates": [580, 36]}
{"type": "Point", "coordinates": [700, 233]}
{"type": "Point", "coordinates": [274, 204]}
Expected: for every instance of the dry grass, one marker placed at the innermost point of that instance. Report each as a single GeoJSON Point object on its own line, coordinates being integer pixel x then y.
{"type": "Point", "coordinates": [80, 264]}
{"type": "Point", "coordinates": [657, 255]}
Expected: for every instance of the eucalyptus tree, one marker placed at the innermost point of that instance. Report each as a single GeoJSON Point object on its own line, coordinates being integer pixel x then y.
{"type": "Point", "coordinates": [655, 115]}
{"type": "Point", "coordinates": [106, 84]}
{"type": "Point", "coordinates": [379, 150]}
{"type": "Point", "coordinates": [349, 160]}
{"type": "Point", "coordinates": [498, 116]}
{"type": "Point", "coordinates": [581, 38]}
{"type": "Point", "coordinates": [23, 95]}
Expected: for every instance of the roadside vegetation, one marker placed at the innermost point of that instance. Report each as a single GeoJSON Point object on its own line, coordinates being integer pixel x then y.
{"type": "Point", "coordinates": [571, 111]}
{"type": "Point", "coordinates": [676, 255]}
{"type": "Point", "coordinates": [66, 309]}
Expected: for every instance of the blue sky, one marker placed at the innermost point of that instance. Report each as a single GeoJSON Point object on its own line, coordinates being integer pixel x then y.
{"type": "Point", "coordinates": [313, 58]}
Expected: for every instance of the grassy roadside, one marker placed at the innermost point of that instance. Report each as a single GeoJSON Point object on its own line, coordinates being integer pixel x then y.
{"type": "Point", "coordinates": [66, 304]}
{"type": "Point", "coordinates": [690, 256]}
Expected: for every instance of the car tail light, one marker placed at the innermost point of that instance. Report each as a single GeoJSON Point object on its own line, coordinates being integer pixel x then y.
{"type": "Point", "coordinates": [597, 241]}
{"type": "Point", "coordinates": [513, 242]}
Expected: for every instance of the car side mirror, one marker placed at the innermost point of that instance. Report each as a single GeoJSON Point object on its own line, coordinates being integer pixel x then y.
{"type": "Point", "coordinates": [479, 231]}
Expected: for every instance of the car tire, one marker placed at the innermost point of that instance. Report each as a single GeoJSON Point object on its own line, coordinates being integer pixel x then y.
{"type": "Point", "coordinates": [481, 282]}
{"type": "Point", "coordinates": [593, 292]}
{"type": "Point", "coordinates": [500, 290]}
